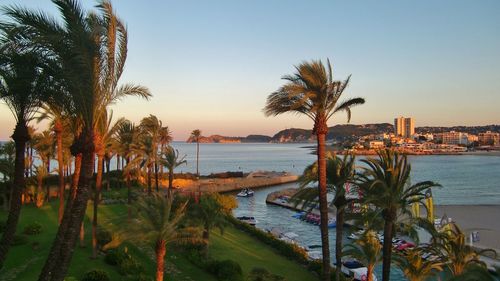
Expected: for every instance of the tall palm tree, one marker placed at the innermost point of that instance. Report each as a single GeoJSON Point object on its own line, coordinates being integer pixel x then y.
{"type": "Point", "coordinates": [312, 92]}
{"type": "Point", "coordinates": [165, 137]}
{"type": "Point", "coordinates": [159, 223]}
{"type": "Point", "coordinates": [416, 268]}
{"type": "Point", "coordinates": [23, 87]}
{"type": "Point", "coordinates": [195, 135]}
{"type": "Point", "coordinates": [171, 159]}
{"type": "Point", "coordinates": [153, 128]}
{"type": "Point", "coordinates": [339, 174]}
{"type": "Point", "coordinates": [40, 173]}
{"type": "Point", "coordinates": [367, 250]}
{"type": "Point", "coordinates": [124, 139]}
{"type": "Point", "coordinates": [103, 134]}
{"type": "Point", "coordinates": [84, 45]}
{"type": "Point", "coordinates": [55, 112]}
{"type": "Point", "coordinates": [384, 185]}
{"type": "Point", "coordinates": [143, 153]}
{"type": "Point", "coordinates": [44, 145]}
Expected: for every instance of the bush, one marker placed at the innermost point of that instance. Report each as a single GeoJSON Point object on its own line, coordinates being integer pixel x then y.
{"type": "Point", "coordinates": [103, 237]}
{"type": "Point", "coordinates": [96, 275]}
{"type": "Point", "coordinates": [261, 274]}
{"type": "Point", "coordinates": [116, 256]}
{"type": "Point", "coordinates": [226, 270]}
{"type": "Point", "coordinates": [130, 266]}
{"type": "Point", "coordinates": [33, 229]}
{"type": "Point", "coordinates": [19, 240]}
{"type": "Point", "coordinates": [70, 278]}
{"type": "Point", "coordinates": [2, 226]}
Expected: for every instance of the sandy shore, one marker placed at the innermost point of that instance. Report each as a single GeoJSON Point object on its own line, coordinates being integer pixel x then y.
{"type": "Point", "coordinates": [482, 218]}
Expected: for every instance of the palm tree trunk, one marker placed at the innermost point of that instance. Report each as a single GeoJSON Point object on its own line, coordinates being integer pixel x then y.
{"type": "Point", "coordinates": [117, 162]}
{"type": "Point", "coordinates": [97, 195]}
{"type": "Point", "coordinates": [323, 204]}
{"type": "Point", "coordinates": [76, 175]}
{"type": "Point", "coordinates": [369, 272]}
{"type": "Point", "coordinates": [156, 177]}
{"type": "Point", "coordinates": [197, 157]}
{"type": "Point", "coordinates": [60, 166]}
{"type": "Point", "coordinates": [20, 137]}
{"type": "Point", "coordinates": [108, 167]}
{"type": "Point", "coordinates": [149, 181]}
{"type": "Point", "coordinates": [387, 249]}
{"type": "Point", "coordinates": [338, 240]}
{"type": "Point", "coordinates": [61, 252]}
{"type": "Point", "coordinates": [170, 181]}
{"type": "Point", "coordinates": [160, 250]}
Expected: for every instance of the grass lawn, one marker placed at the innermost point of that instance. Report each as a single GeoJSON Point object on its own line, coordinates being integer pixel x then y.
{"type": "Point", "coordinates": [24, 262]}
{"type": "Point", "coordinates": [250, 253]}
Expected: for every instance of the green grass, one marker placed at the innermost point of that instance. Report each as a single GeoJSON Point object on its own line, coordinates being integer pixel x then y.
{"type": "Point", "coordinates": [250, 253]}
{"type": "Point", "coordinates": [25, 262]}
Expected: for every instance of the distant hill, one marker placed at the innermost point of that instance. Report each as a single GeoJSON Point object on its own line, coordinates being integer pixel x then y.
{"type": "Point", "coordinates": [339, 133]}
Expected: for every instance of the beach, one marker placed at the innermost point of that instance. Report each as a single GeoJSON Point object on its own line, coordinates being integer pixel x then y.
{"type": "Point", "coordinates": [482, 218]}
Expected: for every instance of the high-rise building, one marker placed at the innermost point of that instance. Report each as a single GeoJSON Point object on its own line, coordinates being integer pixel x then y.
{"type": "Point", "coordinates": [404, 127]}
{"type": "Point", "coordinates": [489, 138]}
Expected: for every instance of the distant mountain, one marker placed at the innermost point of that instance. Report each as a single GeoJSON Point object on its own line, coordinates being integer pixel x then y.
{"type": "Point", "coordinates": [340, 133]}
{"type": "Point", "coordinates": [225, 139]}
{"type": "Point", "coordinates": [337, 132]}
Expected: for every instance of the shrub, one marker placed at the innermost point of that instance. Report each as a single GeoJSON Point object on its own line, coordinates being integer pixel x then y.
{"type": "Point", "coordinates": [261, 274]}
{"type": "Point", "coordinates": [130, 266]}
{"type": "Point", "coordinates": [70, 278]}
{"type": "Point", "coordinates": [103, 237]}
{"type": "Point", "coordinates": [19, 240]}
{"type": "Point", "coordinates": [2, 226]}
{"type": "Point", "coordinates": [33, 229]}
{"type": "Point", "coordinates": [226, 270]}
{"type": "Point", "coordinates": [96, 275]}
{"type": "Point", "coordinates": [116, 256]}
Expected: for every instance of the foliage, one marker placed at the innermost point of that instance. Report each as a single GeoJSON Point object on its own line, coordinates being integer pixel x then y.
{"type": "Point", "coordinates": [20, 239]}
{"type": "Point", "coordinates": [416, 268]}
{"type": "Point", "coordinates": [103, 236]}
{"type": "Point", "coordinates": [33, 229]}
{"type": "Point", "coordinates": [130, 266]}
{"type": "Point", "coordinates": [261, 274]}
{"type": "Point", "coordinates": [96, 275]}
{"type": "Point", "coordinates": [288, 250]}
{"type": "Point", "coordinates": [226, 270]}
{"type": "Point", "coordinates": [116, 256]}
{"type": "Point", "coordinates": [2, 226]}
{"type": "Point", "coordinates": [227, 202]}
{"type": "Point", "coordinates": [209, 214]}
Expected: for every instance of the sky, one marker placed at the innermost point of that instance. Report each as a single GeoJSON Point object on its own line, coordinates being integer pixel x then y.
{"type": "Point", "coordinates": [211, 64]}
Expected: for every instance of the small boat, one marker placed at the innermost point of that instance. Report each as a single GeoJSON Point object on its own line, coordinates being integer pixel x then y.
{"type": "Point", "coordinates": [355, 270]}
{"type": "Point", "coordinates": [249, 220]}
{"type": "Point", "coordinates": [245, 192]}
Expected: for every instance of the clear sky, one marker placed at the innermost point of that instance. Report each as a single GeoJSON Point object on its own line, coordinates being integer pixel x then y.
{"type": "Point", "coordinates": [211, 64]}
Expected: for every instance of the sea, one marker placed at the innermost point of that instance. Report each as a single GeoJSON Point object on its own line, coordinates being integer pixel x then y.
{"type": "Point", "coordinates": [465, 180]}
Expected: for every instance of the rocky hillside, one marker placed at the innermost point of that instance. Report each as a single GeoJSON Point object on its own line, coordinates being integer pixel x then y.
{"type": "Point", "coordinates": [224, 139]}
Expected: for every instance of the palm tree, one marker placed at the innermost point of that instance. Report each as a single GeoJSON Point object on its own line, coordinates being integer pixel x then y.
{"type": "Point", "coordinates": [124, 139]}
{"type": "Point", "coordinates": [165, 137]}
{"type": "Point", "coordinates": [44, 144]}
{"type": "Point", "coordinates": [367, 250]}
{"type": "Point", "coordinates": [384, 185]}
{"type": "Point", "coordinates": [210, 213]}
{"type": "Point", "coordinates": [102, 137]}
{"type": "Point", "coordinates": [40, 173]}
{"type": "Point", "coordinates": [195, 136]}
{"type": "Point", "coordinates": [311, 91]}
{"type": "Point", "coordinates": [459, 256]}
{"type": "Point", "coordinates": [144, 157]}
{"type": "Point", "coordinates": [171, 160]}
{"type": "Point", "coordinates": [55, 112]}
{"type": "Point", "coordinates": [339, 173]}
{"type": "Point", "coordinates": [152, 127]}
{"type": "Point", "coordinates": [416, 268]}
{"type": "Point", "coordinates": [159, 223]}
{"type": "Point", "coordinates": [24, 86]}
{"type": "Point", "coordinates": [85, 46]}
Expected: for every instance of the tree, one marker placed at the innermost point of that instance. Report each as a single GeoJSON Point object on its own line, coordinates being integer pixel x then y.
{"type": "Point", "coordinates": [195, 135]}
{"type": "Point", "coordinates": [153, 128]}
{"type": "Point", "coordinates": [367, 250]}
{"type": "Point", "coordinates": [40, 173]}
{"type": "Point", "coordinates": [384, 185]}
{"type": "Point", "coordinates": [159, 223]}
{"type": "Point", "coordinates": [171, 160]}
{"type": "Point", "coordinates": [124, 138]}
{"type": "Point", "coordinates": [312, 92]}
{"type": "Point", "coordinates": [416, 268]}
{"type": "Point", "coordinates": [144, 155]}
{"type": "Point", "coordinates": [339, 173]}
{"type": "Point", "coordinates": [210, 214]}
{"type": "Point", "coordinates": [55, 112]}
{"type": "Point", "coordinates": [84, 45]}
{"type": "Point", "coordinates": [44, 145]}
{"type": "Point", "coordinates": [24, 84]}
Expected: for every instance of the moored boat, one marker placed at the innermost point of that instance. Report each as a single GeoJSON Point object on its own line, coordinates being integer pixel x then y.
{"type": "Point", "coordinates": [245, 192]}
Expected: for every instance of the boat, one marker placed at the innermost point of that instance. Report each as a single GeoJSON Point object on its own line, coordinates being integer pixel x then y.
{"type": "Point", "coordinates": [355, 270]}
{"type": "Point", "coordinates": [250, 220]}
{"type": "Point", "coordinates": [245, 192]}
